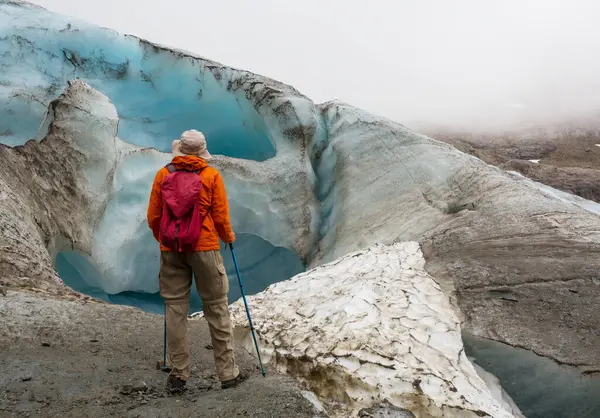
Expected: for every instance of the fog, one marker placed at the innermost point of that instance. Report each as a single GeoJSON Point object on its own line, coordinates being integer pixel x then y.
{"type": "Point", "coordinates": [469, 62]}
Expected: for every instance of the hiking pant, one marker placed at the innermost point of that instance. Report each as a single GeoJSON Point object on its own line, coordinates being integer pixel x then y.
{"type": "Point", "coordinates": [212, 284]}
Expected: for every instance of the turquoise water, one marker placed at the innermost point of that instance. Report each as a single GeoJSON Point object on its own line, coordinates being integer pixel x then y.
{"type": "Point", "coordinates": [261, 264]}
{"type": "Point", "coordinates": [540, 387]}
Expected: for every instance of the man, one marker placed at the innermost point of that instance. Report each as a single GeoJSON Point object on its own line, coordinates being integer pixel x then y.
{"type": "Point", "coordinates": [188, 191]}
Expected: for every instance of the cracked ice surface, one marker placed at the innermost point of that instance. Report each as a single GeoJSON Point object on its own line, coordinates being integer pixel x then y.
{"type": "Point", "coordinates": [370, 326]}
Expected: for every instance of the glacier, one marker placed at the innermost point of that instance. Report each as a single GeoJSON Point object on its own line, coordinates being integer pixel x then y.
{"type": "Point", "coordinates": [87, 116]}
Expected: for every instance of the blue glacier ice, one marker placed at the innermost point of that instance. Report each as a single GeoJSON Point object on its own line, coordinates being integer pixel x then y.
{"type": "Point", "coordinates": [158, 93]}
{"type": "Point", "coordinates": [260, 263]}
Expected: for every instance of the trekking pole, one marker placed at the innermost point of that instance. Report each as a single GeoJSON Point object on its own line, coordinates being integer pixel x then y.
{"type": "Point", "coordinates": [162, 365]}
{"type": "Point", "coordinates": [237, 270]}
{"type": "Point", "coordinates": [165, 338]}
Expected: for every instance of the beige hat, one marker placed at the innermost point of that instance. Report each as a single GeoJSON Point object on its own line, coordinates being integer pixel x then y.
{"type": "Point", "coordinates": [191, 142]}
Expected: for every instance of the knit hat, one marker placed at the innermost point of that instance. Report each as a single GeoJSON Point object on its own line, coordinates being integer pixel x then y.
{"type": "Point", "coordinates": [191, 142]}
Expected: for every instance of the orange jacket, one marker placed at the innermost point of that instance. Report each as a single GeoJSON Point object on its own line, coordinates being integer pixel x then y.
{"type": "Point", "coordinates": [213, 201]}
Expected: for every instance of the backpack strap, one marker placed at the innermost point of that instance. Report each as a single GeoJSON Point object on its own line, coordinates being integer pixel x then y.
{"type": "Point", "coordinates": [172, 169]}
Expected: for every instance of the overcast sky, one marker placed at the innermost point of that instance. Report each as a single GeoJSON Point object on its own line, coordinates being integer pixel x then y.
{"type": "Point", "coordinates": [447, 60]}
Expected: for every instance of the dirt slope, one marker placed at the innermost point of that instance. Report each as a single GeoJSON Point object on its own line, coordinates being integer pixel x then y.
{"type": "Point", "coordinates": [72, 359]}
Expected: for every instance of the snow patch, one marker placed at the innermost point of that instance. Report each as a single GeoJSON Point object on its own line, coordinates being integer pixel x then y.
{"type": "Point", "coordinates": [368, 327]}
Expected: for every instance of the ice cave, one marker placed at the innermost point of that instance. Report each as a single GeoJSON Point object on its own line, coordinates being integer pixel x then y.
{"type": "Point", "coordinates": [260, 264]}
{"type": "Point", "coordinates": [457, 247]}
{"type": "Point", "coordinates": [157, 95]}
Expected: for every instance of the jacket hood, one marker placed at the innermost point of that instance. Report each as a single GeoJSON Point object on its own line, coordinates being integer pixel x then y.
{"type": "Point", "coordinates": [189, 162]}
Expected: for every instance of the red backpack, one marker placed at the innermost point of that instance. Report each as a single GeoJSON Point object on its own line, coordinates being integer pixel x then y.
{"type": "Point", "coordinates": [181, 221]}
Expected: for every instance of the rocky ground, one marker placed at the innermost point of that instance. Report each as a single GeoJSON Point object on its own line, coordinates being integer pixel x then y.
{"type": "Point", "coordinates": [567, 159]}
{"type": "Point", "coordinates": [65, 358]}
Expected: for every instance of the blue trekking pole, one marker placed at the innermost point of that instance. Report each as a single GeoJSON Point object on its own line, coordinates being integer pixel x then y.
{"type": "Point", "coordinates": [162, 365]}
{"type": "Point", "coordinates": [165, 339]}
{"type": "Point", "coordinates": [237, 270]}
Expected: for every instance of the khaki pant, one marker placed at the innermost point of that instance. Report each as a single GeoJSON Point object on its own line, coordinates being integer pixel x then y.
{"type": "Point", "coordinates": [212, 284]}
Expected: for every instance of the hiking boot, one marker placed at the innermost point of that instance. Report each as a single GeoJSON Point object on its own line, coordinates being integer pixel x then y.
{"type": "Point", "coordinates": [175, 385]}
{"type": "Point", "coordinates": [228, 384]}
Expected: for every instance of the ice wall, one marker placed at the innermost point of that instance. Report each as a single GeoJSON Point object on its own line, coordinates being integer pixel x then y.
{"type": "Point", "coordinates": [260, 263]}
{"type": "Point", "coordinates": [157, 92]}
{"type": "Point", "coordinates": [263, 127]}
{"type": "Point", "coordinates": [124, 247]}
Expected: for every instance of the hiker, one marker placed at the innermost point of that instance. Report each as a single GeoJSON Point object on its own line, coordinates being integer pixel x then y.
{"type": "Point", "coordinates": [188, 213]}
